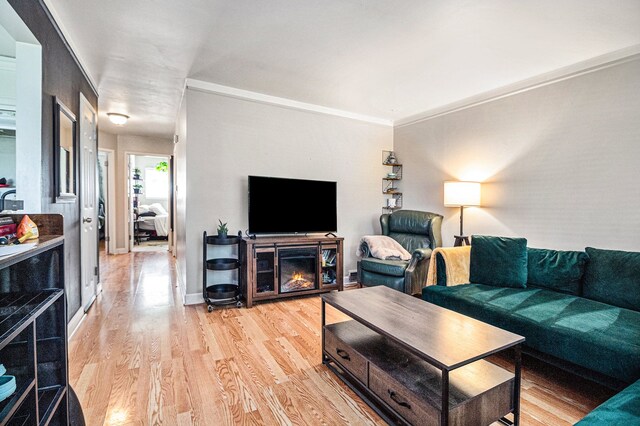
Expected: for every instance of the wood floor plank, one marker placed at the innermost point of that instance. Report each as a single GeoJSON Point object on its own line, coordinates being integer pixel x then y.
{"type": "Point", "coordinates": [141, 357]}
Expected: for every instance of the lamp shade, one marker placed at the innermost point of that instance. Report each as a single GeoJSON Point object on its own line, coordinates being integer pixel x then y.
{"type": "Point", "coordinates": [458, 194]}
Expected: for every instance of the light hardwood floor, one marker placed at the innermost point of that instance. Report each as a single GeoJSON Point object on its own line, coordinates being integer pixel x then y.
{"type": "Point", "coordinates": [142, 358]}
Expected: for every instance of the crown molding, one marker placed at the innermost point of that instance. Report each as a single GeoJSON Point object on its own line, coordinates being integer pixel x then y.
{"type": "Point", "coordinates": [232, 92]}
{"type": "Point", "coordinates": [597, 63]}
{"type": "Point", "coordinates": [54, 16]}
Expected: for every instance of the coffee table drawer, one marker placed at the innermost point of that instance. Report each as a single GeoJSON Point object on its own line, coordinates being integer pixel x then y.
{"type": "Point", "coordinates": [346, 356]}
{"type": "Point", "coordinates": [402, 401]}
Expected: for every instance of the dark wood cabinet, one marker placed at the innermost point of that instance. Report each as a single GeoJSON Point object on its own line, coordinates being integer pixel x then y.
{"type": "Point", "coordinates": [33, 328]}
{"type": "Point", "coordinates": [278, 267]}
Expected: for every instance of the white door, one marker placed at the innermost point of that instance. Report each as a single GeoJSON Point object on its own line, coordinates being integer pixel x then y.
{"type": "Point", "coordinates": [88, 202]}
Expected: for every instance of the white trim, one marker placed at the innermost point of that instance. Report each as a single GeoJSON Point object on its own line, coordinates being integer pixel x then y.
{"type": "Point", "coordinates": [75, 322]}
{"type": "Point", "coordinates": [69, 41]}
{"type": "Point", "coordinates": [607, 60]}
{"type": "Point", "coordinates": [111, 199]}
{"type": "Point", "coordinates": [192, 299]}
{"type": "Point", "coordinates": [232, 92]}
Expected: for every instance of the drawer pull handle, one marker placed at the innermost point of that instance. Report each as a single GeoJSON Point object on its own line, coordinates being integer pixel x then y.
{"type": "Point", "coordinates": [343, 354]}
{"type": "Point", "coordinates": [395, 398]}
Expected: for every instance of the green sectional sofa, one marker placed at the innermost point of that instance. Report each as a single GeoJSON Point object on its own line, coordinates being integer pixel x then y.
{"type": "Point", "coordinates": [580, 308]}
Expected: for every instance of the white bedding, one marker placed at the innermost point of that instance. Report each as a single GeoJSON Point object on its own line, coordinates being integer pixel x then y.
{"type": "Point", "coordinates": [159, 223]}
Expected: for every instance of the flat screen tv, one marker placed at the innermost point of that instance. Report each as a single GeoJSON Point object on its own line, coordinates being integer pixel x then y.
{"type": "Point", "coordinates": [289, 206]}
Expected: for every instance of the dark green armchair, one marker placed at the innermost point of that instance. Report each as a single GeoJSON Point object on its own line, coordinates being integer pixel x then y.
{"type": "Point", "coordinates": [419, 233]}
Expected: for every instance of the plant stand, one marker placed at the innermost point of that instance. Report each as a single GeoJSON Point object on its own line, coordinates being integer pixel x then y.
{"type": "Point", "coordinates": [221, 293]}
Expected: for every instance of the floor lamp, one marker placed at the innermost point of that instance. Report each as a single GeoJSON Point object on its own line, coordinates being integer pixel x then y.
{"type": "Point", "coordinates": [461, 194]}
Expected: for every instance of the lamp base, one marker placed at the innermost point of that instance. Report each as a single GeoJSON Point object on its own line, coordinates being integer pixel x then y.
{"type": "Point", "coordinates": [461, 240]}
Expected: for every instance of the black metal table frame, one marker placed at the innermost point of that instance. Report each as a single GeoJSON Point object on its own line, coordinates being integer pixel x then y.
{"type": "Point", "coordinates": [444, 420]}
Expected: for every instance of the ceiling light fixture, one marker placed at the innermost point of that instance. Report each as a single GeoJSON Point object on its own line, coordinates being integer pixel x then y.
{"type": "Point", "coordinates": [117, 118]}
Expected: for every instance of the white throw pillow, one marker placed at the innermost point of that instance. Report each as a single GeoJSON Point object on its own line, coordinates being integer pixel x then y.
{"type": "Point", "coordinates": [158, 209]}
{"type": "Point", "coordinates": [143, 208]}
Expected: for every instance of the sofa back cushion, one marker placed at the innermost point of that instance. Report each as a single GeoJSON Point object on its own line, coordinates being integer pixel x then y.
{"type": "Point", "coordinates": [498, 261]}
{"type": "Point", "coordinates": [613, 277]}
{"type": "Point", "coordinates": [556, 270]}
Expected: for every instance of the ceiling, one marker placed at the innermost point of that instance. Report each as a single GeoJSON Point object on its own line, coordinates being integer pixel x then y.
{"type": "Point", "coordinates": [388, 59]}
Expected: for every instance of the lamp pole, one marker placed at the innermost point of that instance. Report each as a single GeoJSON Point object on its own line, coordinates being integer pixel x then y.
{"type": "Point", "coordinates": [461, 240]}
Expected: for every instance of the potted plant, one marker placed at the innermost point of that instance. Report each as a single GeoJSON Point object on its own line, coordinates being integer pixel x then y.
{"type": "Point", "coordinates": [137, 188]}
{"type": "Point", "coordinates": [222, 229]}
{"type": "Point", "coordinates": [136, 173]}
{"type": "Point", "coordinates": [162, 166]}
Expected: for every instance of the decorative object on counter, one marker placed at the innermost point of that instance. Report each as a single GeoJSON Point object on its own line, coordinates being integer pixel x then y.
{"type": "Point", "coordinates": [8, 228]}
{"type": "Point", "coordinates": [27, 228]}
{"type": "Point", "coordinates": [461, 194]}
{"type": "Point", "coordinates": [222, 229]}
{"type": "Point", "coordinates": [3, 181]}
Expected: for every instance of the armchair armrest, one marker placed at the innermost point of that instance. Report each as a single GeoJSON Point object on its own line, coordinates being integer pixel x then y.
{"type": "Point", "coordinates": [421, 253]}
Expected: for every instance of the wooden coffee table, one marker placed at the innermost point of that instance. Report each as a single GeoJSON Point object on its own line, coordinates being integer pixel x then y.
{"type": "Point", "coordinates": [417, 363]}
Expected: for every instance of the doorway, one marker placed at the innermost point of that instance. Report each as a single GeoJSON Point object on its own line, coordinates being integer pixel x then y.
{"type": "Point", "coordinates": [106, 201]}
{"type": "Point", "coordinates": [150, 202]}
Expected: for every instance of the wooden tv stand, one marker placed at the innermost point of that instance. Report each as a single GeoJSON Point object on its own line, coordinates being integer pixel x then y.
{"type": "Point", "coordinates": [279, 267]}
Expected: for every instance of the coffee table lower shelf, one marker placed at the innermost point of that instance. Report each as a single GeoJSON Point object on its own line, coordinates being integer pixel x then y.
{"type": "Point", "coordinates": [404, 389]}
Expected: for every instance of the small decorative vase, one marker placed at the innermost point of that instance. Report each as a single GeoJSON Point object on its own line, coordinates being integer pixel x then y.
{"type": "Point", "coordinates": [222, 235]}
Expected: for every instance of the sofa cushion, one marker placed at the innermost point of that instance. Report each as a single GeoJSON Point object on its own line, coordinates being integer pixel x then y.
{"type": "Point", "coordinates": [395, 268]}
{"type": "Point", "coordinates": [556, 270]}
{"type": "Point", "coordinates": [621, 409]}
{"type": "Point", "coordinates": [498, 261]}
{"type": "Point", "coordinates": [594, 335]}
{"type": "Point", "coordinates": [613, 277]}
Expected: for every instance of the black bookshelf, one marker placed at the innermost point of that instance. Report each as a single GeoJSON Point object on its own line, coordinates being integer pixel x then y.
{"type": "Point", "coordinates": [33, 330]}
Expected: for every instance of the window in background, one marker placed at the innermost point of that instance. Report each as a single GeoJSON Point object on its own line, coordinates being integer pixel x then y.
{"type": "Point", "coordinates": [157, 184]}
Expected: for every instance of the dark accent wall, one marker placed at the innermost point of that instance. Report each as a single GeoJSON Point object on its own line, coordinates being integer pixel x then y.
{"type": "Point", "coordinates": [61, 77]}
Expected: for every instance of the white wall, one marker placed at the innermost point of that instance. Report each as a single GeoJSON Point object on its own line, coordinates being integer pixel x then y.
{"type": "Point", "coordinates": [229, 139]}
{"type": "Point", "coordinates": [124, 145]}
{"type": "Point", "coordinates": [560, 162]}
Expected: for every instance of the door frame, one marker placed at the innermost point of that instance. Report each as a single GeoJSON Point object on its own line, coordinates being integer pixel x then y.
{"type": "Point", "coordinates": [128, 226]}
{"type": "Point", "coordinates": [110, 232]}
{"type": "Point", "coordinates": [85, 103]}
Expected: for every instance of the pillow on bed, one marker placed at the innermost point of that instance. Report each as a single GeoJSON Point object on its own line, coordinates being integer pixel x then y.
{"type": "Point", "coordinates": [158, 209]}
{"type": "Point", "coordinates": [147, 214]}
{"type": "Point", "coordinates": [143, 208]}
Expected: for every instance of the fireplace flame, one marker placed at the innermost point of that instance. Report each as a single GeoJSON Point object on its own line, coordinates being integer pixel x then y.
{"type": "Point", "coordinates": [297, 276]}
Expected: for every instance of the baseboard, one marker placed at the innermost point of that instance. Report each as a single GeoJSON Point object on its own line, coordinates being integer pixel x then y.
{"type": "Point", "coordinates": [75, 322]}
{"type": "Point", "coordinates": [192, 299]}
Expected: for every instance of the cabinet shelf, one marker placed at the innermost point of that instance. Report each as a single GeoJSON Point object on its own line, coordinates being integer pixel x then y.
{"type": "Point", "coordinates": [215, 241]}
{"type": "Point", "coordinates": [9, 406]}
{"type": "Point", "coordinates": [48, 400]}
{"type": "Point", "coordinates": [222, 264]}
{"type": "Point", "coordinates": [18, 310]}
{"type": "Point", "coordinates": [222, 291]}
